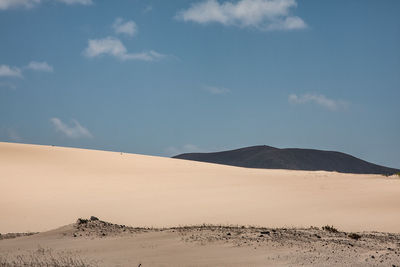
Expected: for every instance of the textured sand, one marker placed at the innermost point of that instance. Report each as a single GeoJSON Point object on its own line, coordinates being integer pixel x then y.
{"type": "Point", "coordinates": [97, 243]}
{"type": "Point", "coordinates": [43, 187]}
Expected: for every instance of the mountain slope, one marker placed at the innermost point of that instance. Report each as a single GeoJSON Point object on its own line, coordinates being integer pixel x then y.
{"type": "Point", "coordinates": [266, 157]}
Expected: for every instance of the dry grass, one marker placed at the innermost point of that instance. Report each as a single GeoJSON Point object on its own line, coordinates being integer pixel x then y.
{"type": "Point", "coordinates": [15, 235]}
{"type": "Point", "coordinates": [329, 228]}
{"type": "Point", "coordinates": [43, 257]}
{"type": "Point", "coordinates": [279, 246]}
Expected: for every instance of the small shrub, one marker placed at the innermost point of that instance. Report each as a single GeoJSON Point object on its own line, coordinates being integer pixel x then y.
{"type": "Point", "coordinates": [330, 229]}
{"type": "Point", "coordinates": [354, 236]}
{"type": "Point", "coordinates": [82, 221]}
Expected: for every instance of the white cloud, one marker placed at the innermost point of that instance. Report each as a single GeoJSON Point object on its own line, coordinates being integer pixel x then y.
{"type": "Point", "coordinates": [261, 14]}
{"type": "Point", "coordinates": [109, 45]}
{"type": "Point", "coordinates": [188, 148]}
{"type": "Point", "coordinates": [320, 100]}
{"type": "Point", "coordinates": [74, 131]}
{"type": "Point", "coordinates": [114, 47]}
{"type": "Point", "coordinates": [216, 90]}
{"type": "Point", "coordinates": [7, 71]}
{"type": "Point", "coordinates": [7, 4]}
{"type": "Point", "coordinates": [289, 23]}
{"type": "Point", "coordinates": [40, 66]}
{"type": "Point", "coordinates": [128, 27]}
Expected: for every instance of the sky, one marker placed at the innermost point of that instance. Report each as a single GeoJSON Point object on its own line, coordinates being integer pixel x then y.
{"type": "Point", "coordinates": [167, 77]}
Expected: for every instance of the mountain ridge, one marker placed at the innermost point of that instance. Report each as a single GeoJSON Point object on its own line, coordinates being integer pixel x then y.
{"type": "Point", "coordinates": [268, 157]}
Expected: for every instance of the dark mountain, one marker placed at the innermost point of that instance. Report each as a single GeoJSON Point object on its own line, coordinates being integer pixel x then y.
{"type": "Point", "coordinates": [266, 157]}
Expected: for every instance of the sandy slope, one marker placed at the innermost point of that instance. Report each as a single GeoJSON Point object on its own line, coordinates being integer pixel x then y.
{"type": "Point", "coordinates": [98, 243]}
{"type": "Point", "coordinates": [43, 187]}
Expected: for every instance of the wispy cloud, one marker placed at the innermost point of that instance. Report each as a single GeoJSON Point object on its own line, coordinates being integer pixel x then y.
{"type": "Point", "coordinates": [40, 66]}
{"type": "Point", "coordinates": [188, 148]}
{"type": "Point", "coordinates": [128, 28]}
{"type": "Point", "coordinates": [13, 135]}
{"type": "Point", "coordinates": [8, 85]}
{"type": "Point", "coordinates": [114, 47]}
{"type": "Point", "coordinates": [318, 99]}
{"type": "Point", "coordinates": [216, 90]}
{"type": "Point", "coordinates": [10, 134]}
{"type": "Point", "coordinates": [76, 130]}
{"type": "Point", "coordinates": [260, 14]}
{"type": "Point", "coordinates": [148, 9]}
{"type": "Point", "coordinates": [7, 4]}
{"type": "Point", "coordinates": [76, 2]}
{"type": "Point", "coordinates": [7, 71]}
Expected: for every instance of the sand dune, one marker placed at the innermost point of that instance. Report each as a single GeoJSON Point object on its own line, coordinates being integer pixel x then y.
{"type": "Point", "coordinates": [98, 243]}
{"type": "Point", "coordinates": [43, 187]}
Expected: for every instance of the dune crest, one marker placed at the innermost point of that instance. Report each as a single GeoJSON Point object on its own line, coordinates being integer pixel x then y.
{"type": "Point", "coordinates": [44, 187]}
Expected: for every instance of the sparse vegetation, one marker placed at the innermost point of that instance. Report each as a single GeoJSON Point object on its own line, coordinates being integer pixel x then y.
{"type": "Point", "coordinates": [82, 221]}
{"type": "Point", "coordinates": [354, 236]}
{"type": "Point", "coordinates": [327, 241]}
{"type": "Point", "coordinates": [392, 174]}
{"type": "Point", "coordinates": [43, 257]}
{"type": "Point", "coordinates": [14, 235]}
{"type": "Point", "coordinates": [95, 227]}
{"type": "Point", "coordinates": [330, 229]}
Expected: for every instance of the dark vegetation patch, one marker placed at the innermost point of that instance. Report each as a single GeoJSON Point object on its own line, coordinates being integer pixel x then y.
{"type": "Point", "coordinates": [354, 236]}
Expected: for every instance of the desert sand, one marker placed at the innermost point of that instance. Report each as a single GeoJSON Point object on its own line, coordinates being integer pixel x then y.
{"type": "Point", "coordinates": [45, 187]}
{"type": "Point", "coordinates": [98, 243]}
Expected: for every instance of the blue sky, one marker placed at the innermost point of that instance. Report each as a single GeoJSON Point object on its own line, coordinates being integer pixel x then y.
{"type": "Point", "coordinates": [165, 77]}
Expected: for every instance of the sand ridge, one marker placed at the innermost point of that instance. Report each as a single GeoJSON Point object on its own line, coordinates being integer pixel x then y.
{"type": "Point", "coordinates": [44, 187]}
{"type": "Point", "coordinates": [98, 243]}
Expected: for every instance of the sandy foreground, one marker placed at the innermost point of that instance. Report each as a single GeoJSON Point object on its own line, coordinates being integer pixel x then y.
{"type": "Point", "coordinates": [98, 243]}
{"type": "Point", "coordinates": [45, 187]}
